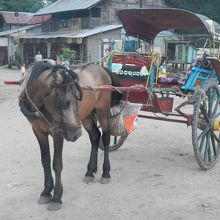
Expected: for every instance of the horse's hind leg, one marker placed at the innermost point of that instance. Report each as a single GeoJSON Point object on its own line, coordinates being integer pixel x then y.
{"type": "Point", "coordinates": [42, 138]}
{"type": "Point", "coordinates": [103, 118]}
{"type": "Point", "coordinates": [55, 203]}
{"type": "Point", "coordinates": [94, 135]}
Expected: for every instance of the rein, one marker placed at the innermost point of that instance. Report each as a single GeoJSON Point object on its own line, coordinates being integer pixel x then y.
{"type": "Point", "coordinates": [38, 113]}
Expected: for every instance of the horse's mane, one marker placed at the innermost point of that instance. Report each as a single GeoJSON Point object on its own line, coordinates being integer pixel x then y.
{"type": "Point", "coordinates": [34, 72]}
{"type": "Point", "coordinates": [38, 68]}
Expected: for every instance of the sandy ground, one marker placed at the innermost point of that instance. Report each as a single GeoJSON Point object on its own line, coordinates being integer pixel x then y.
{"type": "Point", "coordinates": [154, 174]}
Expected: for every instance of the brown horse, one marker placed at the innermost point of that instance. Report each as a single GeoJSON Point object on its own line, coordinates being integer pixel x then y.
{"type": "Point", "coordinates": [55, 105]}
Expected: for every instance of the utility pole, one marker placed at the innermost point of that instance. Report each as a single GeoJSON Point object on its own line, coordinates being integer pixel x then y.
{"type": "Point", "coordinates": [141, 3]}
{"type": "Point", "coordinates": [18, 51]}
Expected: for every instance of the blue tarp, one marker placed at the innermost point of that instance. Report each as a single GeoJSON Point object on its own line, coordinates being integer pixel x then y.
{"type": "Point", "coordinates": [130, 45]}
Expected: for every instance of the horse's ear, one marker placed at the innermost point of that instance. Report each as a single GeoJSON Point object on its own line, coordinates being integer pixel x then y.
{"type": "Point", "coordinates": [73, 75]}
{"type": "Point", "coordinates": [58, 78]}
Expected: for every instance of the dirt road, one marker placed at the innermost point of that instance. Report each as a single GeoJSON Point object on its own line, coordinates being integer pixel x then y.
{"type": "Point", "coordinates": [154, 174]}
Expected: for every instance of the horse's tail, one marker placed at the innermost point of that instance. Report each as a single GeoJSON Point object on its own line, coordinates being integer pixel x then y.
{"type": "Point", "coordinates": [116, 96]}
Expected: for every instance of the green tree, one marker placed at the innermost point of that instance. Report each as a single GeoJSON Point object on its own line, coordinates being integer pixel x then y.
{"type": "Point", "coordinates": [21, 5]}
{"type": "Point", "coordinates": [68, 54]}
{"type": "Point", "coordinates": [210, 8]}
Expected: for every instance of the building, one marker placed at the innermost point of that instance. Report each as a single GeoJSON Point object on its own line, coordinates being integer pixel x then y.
{"type": "Point", "coordinates": [13, 25]}
{"type": "Point", "coordinates": [87, 26]}
{"type": "Point", "coordinates": [10, 21]}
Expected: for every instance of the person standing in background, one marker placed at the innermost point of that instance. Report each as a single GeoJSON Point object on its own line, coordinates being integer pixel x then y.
{"type": "Point", "coordinates": [54, 57]}
{"type": "Point", "coordinates": [38, 57]}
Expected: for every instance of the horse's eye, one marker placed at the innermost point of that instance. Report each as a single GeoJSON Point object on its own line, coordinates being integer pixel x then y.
{"type": "Point", "coordinates": [57, 94]}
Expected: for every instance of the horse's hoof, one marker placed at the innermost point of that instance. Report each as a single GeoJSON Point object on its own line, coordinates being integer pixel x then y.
{"type": "Point", "coordinates": [89, 179]}
{"type": "Point", "coordinates": [44, 200]}
{"type": "Point", "coordinates": [104, 180]}
{"type": "Point", "coordinates": [54, 206]}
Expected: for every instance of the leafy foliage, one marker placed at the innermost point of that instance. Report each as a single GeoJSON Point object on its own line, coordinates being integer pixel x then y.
{"type": "Point", "coordinates": [210, 8]}
{"type": "Point", "coordinates": [69, 54]}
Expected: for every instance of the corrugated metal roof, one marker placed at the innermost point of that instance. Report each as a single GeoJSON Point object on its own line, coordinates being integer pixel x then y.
{"type": "Point", "coordinates": [39, 19]}
{"type": "Point", "coordinates": [16, 30]}
{"type": "Point", "coordinates": [73, 34]}
{"type": "Point", "coordinates": [22, 18]}
{"type": "Point", "coordinates": [67, 5]}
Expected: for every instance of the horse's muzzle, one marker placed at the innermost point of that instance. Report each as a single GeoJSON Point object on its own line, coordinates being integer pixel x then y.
{"type": "Point", "coordinates": [72, 134]}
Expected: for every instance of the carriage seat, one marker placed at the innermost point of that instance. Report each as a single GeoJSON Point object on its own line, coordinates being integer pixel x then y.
{"type": "Point", "coordinates": [168, 80]}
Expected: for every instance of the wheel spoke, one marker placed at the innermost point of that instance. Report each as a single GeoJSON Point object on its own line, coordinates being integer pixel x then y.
{"type": "Point", "coordinates": [216, 138]}
{"type": "Point", "coordinates": [204, 112]}
{"type": "Point", "coordinates": [216, 107]}
{"type": "Point", "coordinates": [210, 102]}
{"type": "Point", "coordinates": [202, 142]}
{"type": "Point", "coordinates": [203, 133]}
{"type": "Point", "coordinates": [213, 143]}
{"type": "Point", "coordinates": [115, 139]}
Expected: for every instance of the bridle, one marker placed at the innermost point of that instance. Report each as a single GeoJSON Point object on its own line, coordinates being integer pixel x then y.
{"type": "Point", "coordinates": [37, 113]}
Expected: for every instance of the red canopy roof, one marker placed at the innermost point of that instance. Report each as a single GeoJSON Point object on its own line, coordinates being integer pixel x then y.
{"type": "Point", "coordinates": [147, 23]}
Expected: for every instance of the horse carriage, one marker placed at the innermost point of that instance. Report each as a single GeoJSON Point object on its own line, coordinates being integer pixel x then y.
{"type": "Point", "coordinates": [58, 100]}
{"type": "Point", "coordinates": [143, 81]}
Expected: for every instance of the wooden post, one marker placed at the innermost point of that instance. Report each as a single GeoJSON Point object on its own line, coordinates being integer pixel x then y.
{"type": "Point", "coordinates": [48, 49]}
{"type": "Point", "coordinates": [101, 44]}
{"type": "Point", "coordinates": [141, 3]}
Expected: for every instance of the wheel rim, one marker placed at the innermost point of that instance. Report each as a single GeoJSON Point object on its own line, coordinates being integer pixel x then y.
{"type": "Point", "coordinates": [205, 126]}
{"type": "Point", "coordinates": [115, 142]}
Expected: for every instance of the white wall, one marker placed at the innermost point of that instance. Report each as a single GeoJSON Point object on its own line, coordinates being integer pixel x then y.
{"type": "Point", "coordinates": [3, 42]}
{"type": "Point", "coordinates": [11, 50]}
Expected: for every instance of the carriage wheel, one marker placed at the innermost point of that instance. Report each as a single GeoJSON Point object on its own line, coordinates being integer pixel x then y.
{"type": "Point", "coordinates": [206, 126]}
{"type": "Point", "coordinates": [115, 142]}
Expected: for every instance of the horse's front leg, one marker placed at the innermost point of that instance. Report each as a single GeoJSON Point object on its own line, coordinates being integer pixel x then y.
{"type": "Point", "coordinates": [94, 136]}
{"type": "Point", "coordinates": [55, 203]}
{"type": "Point", "coordinates": [42, 138]}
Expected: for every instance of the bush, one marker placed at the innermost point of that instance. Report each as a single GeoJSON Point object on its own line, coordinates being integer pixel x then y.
{"type": "Point", "coordinates": [69, 54]}
{"type": "Point", "coordinates": [10, 65]}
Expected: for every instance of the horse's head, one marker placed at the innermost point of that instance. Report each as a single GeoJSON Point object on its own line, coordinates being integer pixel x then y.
{"type": "Point", "coordinates": [61, 101]}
